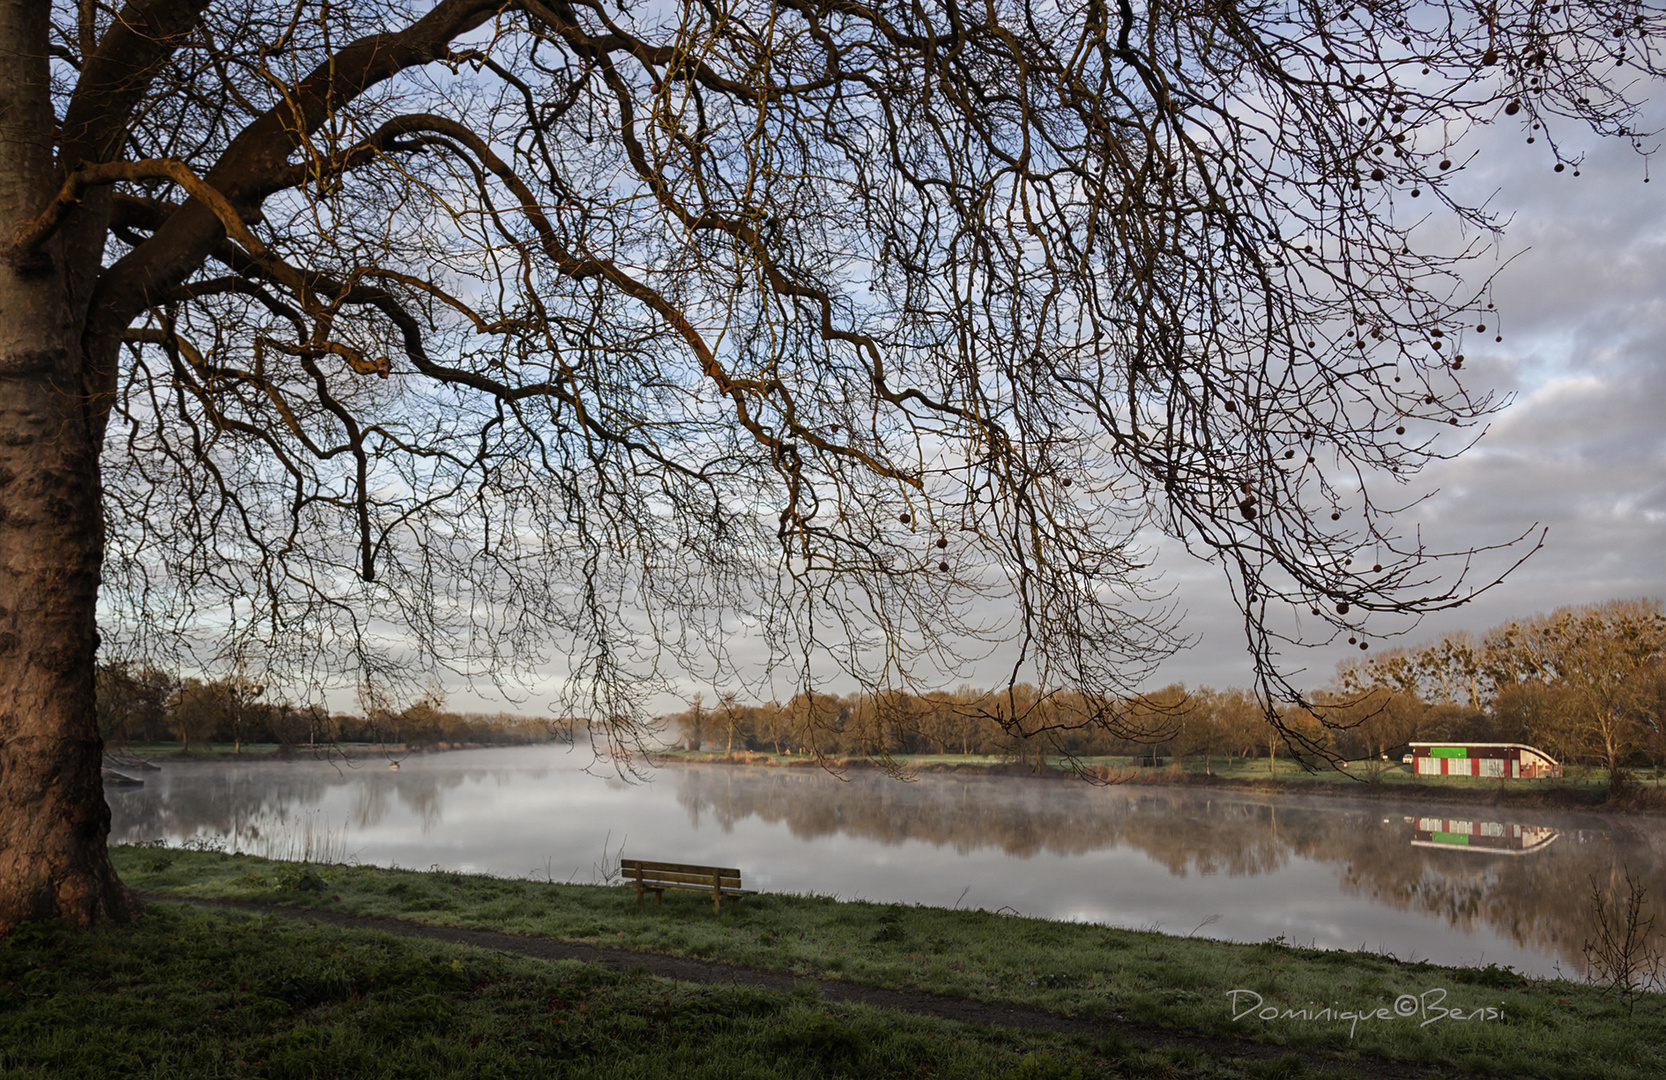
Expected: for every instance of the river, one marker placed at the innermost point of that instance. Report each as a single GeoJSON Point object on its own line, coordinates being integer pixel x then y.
{"type": "Point", "coordinates": [1449, 885]}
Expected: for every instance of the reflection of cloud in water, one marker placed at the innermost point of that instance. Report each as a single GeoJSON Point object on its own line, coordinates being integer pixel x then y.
{"type": "Point", "coordinates": [247, 804]}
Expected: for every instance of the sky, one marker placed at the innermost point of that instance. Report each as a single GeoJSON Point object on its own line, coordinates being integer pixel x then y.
{"type": "Point", "coordinates": [1580, 450]}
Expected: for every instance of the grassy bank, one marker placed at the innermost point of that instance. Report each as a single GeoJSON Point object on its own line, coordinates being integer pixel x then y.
{"type": "Point", "coordinates": [1582, 788]}
{"type": "Point", "coordinates": [190, 993]}
{"type": "Point", "coordinates": [1503, 1024]}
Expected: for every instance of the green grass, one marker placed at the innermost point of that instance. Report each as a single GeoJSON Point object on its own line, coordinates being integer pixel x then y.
{"type": "Point", "coordinates": [191, 993]}
{"type": "Point", "coordinates": [1542, 1028]}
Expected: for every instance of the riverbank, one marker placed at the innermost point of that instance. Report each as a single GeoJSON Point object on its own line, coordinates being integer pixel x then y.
{"type": "Point", "coordinates": [325, 996]}
{"type": "Point", "coordinates": [1587, 791]}
{"type": "Point", "coordinates": [136, 755]}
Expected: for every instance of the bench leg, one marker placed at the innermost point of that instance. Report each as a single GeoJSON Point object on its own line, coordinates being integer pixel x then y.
{"type": "Point", "coordinates": [717, 893]}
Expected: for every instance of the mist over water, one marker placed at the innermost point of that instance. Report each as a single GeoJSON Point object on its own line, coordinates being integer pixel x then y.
{"type": "Point", "coordinates": [1450, 885]}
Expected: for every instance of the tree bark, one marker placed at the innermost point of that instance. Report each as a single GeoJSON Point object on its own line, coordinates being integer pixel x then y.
{"type": "Point", "coordinates": [53, 818]}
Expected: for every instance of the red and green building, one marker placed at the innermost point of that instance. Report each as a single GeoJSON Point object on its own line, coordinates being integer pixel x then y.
{"type": "Point", "coordinates": [1513, 761]}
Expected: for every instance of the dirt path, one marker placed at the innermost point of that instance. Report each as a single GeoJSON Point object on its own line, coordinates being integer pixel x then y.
{"type": "Point", "coordinates": [960, 1010]}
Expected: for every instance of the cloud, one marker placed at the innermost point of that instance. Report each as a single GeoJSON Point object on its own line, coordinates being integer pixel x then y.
{"type": "Point", "coordinates": [1580, 288]}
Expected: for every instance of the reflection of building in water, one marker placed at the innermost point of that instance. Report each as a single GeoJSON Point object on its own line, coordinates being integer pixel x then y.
{"type": "Point", "coordinates": [1513, 760]}
{"type": "Point", "coordinates": [1490, 836]}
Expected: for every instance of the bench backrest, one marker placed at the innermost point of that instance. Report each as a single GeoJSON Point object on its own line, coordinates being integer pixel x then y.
{"type": "Point", "coordinates": [678, 873]}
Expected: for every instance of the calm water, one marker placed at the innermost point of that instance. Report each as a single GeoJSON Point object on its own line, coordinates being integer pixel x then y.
{"type": "Point", "coordinates": [1507, 887]}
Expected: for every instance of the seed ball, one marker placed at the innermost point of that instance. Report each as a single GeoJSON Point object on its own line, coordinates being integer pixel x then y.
{"type": "Point", "coordinates": [1560, 166]}
{"type": "Point", "coordinates": [1512, 108]}
{"type": "Point", "coordinates": [1490, 57]}
{"type": "Point", "coordinates": [1335, 516]}
{"type": "Point", "coordinates": [1232, 406]}
{"type": "Point", "coordinates": [1377, 569]}
{"type": "Point", "coordinates": [1342, 608]}
{"type": "Point", "coordinates": [1430, 400]}
{"type": "Point", "coordinates": [1347, 562]}
{"type": "Point", "coordinates": [1365, 645]}
{"type": "Point", "coordinates": [1378, 174]}
{"type": "Point", "coordinates": [1414, 194]}
{"type": "Point", "coordinates": [1481, 329]}
{"type": "Point", "coordinates": [942, 541]}
{"type": "Point", "coordinates": [1066, 481]}
{"type": "Point", "coordinates": [1446, 164]}
{"type": "Point", "coordinates": [1310, 459]}
{"type": "Point", "coordinates": [1314, 610]}
{"type": "Point", "coordinates": [1401, 430]}
{"type": "Point", "coordinates": [1353, 641]}
{"type": "Point", "coordinates": [904, 518]}
{"type": "Point", "coordinates": [943, 566]}
{"type": "Point", "coordinates": [1289, 453]}
{"type": "Point", "coordinates": [1453, 420]}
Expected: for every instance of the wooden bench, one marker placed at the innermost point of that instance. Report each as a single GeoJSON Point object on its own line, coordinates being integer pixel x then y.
{"type": "Point", "coordinates": [658, 876]}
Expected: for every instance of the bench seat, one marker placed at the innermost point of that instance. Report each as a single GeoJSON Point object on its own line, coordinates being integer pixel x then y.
{"type": "Point", "coordinates": [656, 877]}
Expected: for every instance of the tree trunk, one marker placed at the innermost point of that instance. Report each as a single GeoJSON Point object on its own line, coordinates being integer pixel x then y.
{"type": "Point", "coordinates": [53, 817]}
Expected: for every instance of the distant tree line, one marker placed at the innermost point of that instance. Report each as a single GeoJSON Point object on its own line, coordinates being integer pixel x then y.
{"type": "Point", "coordinates": [1587, 684]}
{"type": "Point", "coordinates": [140, 703]}
{"type": "Point", "coordinates": [1018, 724]}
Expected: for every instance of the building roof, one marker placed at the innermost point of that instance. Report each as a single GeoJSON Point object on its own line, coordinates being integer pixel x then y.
{"type": "Point", "coordinates": [1489, 745]}
{"type": "Point", "coordinates": [1465, 742]}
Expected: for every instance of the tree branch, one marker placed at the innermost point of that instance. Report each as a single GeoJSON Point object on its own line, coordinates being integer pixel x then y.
{"type": "Point", "coordinates": [33, 233]}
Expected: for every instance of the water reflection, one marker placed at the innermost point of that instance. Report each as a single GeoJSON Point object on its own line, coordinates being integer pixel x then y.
{"type": "Point", "coordinates": [1339, 873]}
{"type": "Point", "coordinates": [1482, 837]}
{"type": "Point", "coordinates": [1538, 904]}
{"type": "Point", "coordinates": [249, 805]}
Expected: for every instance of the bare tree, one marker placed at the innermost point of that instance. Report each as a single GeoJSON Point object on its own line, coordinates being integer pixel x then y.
{"type": "Point", "coordinates": [495, 329]}
{"type": "Point", "coordinates": [1598, 662]}
{"type": "Point", "coordinates": [132, 700]}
